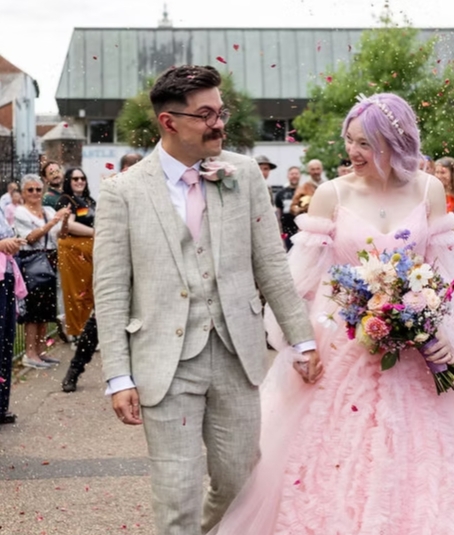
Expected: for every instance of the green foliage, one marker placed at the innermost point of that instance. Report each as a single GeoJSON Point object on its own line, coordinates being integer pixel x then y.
{"type": "Point", "coordinates": [388, 59]}
{"type": "Point", "coordinates": [137, 124]}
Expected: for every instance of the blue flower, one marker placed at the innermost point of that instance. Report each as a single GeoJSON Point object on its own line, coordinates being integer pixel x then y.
{"type": "Point", "coordinates": [402, 234]}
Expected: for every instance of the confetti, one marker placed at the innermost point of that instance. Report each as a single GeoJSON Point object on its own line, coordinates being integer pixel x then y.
{"type": "Point", "coordinates": [331, 142]}
{"type": "Point", "coordinates": [65, 125]}
{"type": "Point", "coordinates": [292, 132]}
{"type": "Point", "coordinates": [319, 46]}
{"type": "Point", "coordinates": [258, 219]}
{"type": "Point", "coordinates": [184, 420]}
{"type": "Point", "coordinates": [329, 79]}
{"type": "Point", "coordinates": [394, 75]}
{"type": "Point", "coordinates": [354, 408]}
{"type": "Point", "coordinates": [297, 482]}
{"type": "Point", "coordinates": [110, 166]}
{"type": "Point", "coordinates": [425, 104]}
{"type": "Point", "coordinates": [95, 57]}
{"type": "Point", "coordinates": [447, 81]}
{"type": "Point", "coordinates": [221, 59]}
{"type": "Point", "coordinates": [349, 48]}
{"type": "Point", "coordinates": [236, 47]}
{"type": "Point", "coordinates": [273, 65]}
{"type": "Point", "coordinates": [438, 60]}
{"type": "Point", "coordinates": [290, 139]}
{"type": "Point", "coordinates": [371, 84]}
{"type": "Point", "coordinates": [2, 380]}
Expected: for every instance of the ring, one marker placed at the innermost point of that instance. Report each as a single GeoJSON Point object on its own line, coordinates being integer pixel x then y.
{"type": "Point", "coordinates": [135, 405]}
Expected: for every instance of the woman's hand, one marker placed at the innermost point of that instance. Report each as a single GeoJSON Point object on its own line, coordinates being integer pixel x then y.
{"type": "Point", "coordinates": [62, 215]}
{"type": "Point", "coordinates": [11, 246]}
{"type": "Point", "coordinates": [440, 352]}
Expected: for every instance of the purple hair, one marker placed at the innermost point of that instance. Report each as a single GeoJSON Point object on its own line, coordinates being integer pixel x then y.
{"type": "Point", "coordinates": [389, 117]}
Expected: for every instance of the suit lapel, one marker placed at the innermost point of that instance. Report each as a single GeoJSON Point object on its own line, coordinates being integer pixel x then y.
{"type": "Point", "coordinates": [215, 211]}
{"type": "Point", "coordinates": [155, 185]}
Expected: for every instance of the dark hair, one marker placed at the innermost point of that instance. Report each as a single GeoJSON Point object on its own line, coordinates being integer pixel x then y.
{"type": "Point", "coordinates": [46, 165]}
{"type": "Point", "coordinates": [67, 189]}
{"type": "Point", "coordinates": [174, 84]}
{"type": "Point", "coordinates": [127, 160]}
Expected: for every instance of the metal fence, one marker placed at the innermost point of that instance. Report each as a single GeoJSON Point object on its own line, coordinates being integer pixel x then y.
{"type": "Point", "coordinates": [14, 166]}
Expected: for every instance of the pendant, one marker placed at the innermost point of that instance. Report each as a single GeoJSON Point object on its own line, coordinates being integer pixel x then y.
{"type": "Point", "coordinates": [382, 213]}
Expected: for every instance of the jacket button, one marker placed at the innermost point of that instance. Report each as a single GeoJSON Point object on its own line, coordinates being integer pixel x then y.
{"type": "Point", "coordinates": [200, 250]}
{"type": "Point", "coordinates": [205, 275]}
{"type": "Point", "coordinates": [210, 301]}
{"type": "Point", "coordinates": [179, 332]}
{"type": "Point", "coordinates": [184, 293]}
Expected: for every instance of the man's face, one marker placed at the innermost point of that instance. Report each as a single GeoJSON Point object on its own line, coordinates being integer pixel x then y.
{"type": "Point", "coordinates": [294, 176]}
{"type": "Point", "coordinates": [192, 137]}
{"type": "Point", "coordinates": [54, 175]}
{"type": "Point", "coordinates": [265, 168]}
{"type": "Point", "coordinates": [315, 171]}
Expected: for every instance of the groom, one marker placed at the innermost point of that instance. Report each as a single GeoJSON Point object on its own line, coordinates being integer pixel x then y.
{"type": "Point", "coordinates": [177, 257]}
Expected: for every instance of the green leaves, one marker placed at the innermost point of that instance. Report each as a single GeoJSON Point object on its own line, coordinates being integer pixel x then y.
{"type": "Point", "coordinates": [389, 359]}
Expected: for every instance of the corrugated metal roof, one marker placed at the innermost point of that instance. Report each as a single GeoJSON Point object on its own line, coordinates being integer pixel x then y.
{"type": "Point", "coordinates": [268, 63]}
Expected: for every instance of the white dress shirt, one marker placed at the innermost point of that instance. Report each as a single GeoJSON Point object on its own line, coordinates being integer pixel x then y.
{"type": "Point", "coordinates": [178, 190]}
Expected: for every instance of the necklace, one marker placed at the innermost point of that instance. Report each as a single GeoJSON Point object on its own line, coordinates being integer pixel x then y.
{"type": "Point", "coordinates": [382, 213]}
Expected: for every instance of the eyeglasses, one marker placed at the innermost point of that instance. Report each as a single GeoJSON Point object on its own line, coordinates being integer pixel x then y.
{"type": "Point", "coordinates": [32, 190]}
{"type": "Point", "coordinates": [210, 118]}
{"type": "Point", "coordinates": [77, 178]}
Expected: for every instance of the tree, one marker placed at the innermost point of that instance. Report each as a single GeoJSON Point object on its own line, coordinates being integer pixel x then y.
{"type": "Point", "coordinates": [137, 124]}
{"type": "Point", "coordinates": [388, 59]}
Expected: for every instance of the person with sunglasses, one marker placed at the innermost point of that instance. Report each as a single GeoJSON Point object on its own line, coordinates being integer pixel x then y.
{"type": "Point", "coordinates": [40, 226]}
{"type": "Point", "coordinates": [75, 251]}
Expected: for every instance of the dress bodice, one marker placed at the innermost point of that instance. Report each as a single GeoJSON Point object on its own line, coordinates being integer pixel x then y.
{"type": "Point", "coordinates": [352, 232]}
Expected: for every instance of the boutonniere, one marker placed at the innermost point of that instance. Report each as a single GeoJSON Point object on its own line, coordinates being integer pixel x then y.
{"type": "Point", "coordinates": [221, 173]}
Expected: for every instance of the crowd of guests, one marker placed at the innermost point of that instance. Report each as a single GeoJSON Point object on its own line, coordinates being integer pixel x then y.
{"type": "Point", "coordinates": [46, 269]}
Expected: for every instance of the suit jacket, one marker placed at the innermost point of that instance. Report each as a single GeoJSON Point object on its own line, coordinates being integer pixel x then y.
{"type": "Point", "coordinates": [140, 284]}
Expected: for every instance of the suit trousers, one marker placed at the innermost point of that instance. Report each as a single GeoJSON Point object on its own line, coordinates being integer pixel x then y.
{"type": "Point", "coordinates": [209, 401]}
{"type": "Point", "coordinates": [7, 332]}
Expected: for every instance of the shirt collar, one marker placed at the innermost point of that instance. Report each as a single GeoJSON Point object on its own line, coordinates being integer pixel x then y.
{"type": "Point", "coordinates": [173, 169]}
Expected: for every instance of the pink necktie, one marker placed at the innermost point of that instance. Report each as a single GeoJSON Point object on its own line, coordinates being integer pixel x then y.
{"type": "Point", "coordinates": [195, 202]}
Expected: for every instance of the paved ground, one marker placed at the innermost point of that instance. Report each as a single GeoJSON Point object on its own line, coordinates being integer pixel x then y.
{"type": "Point", "coordinates": [68, 466]}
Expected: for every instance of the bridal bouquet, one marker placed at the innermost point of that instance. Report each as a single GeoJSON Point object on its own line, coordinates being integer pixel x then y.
{"type": "Point", "coordinates": [394, 300]}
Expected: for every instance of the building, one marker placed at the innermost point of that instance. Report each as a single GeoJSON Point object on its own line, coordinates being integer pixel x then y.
{"type": "Point", "coordinates": [275, 67]}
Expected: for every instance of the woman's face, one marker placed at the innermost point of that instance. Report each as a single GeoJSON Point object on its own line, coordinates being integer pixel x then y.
{"type": "Point", "coordinates": [78, 182]}
{"type": "Point", "coordinates": [361, 153]}
{"type": "Point", "coordinates": [32, 193]}
{"type": "Point", "coordinates": [444, 175]}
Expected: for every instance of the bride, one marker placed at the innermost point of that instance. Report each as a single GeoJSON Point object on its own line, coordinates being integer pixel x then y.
{"type": "Point", "coordinates": [361, 452]}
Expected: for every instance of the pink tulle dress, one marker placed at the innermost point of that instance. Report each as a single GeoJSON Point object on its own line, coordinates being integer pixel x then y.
{"type": "Point", "coordinates": [362, 452]}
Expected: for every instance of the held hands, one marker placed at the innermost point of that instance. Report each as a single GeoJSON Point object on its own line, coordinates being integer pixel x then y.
{"type": "Point", "coordinates": [309, 367]}
{"type": "Point", "coordinates": [441, 352]}
{"type": "Point", "coordinates": [11, 246]}
{"type": "Point", "coordinates": [126, 406]}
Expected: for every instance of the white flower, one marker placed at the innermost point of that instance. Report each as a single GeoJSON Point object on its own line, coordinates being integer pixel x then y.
{"type": "Point", "coordinates": [432, 299]}
{"type": "Point", "coordinates": [421, 337]}
{"type": "Point", "coordinates": [376, 273]}
{"type": "Point", "coordinates": [328, 321]}
{"type": "Point", "coordinates": [419, 277]}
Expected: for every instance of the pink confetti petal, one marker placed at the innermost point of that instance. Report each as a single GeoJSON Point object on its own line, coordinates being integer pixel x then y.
{"type": "Point", "coordinates": [292, 132]}
{"type": "Point", "coordinates": [297, 482]}
{"type": "Point", "coordinates": [110, 166]}
{"type": "Point", "coordinates": [95, 57]}
{"type": "Point", "coordinates": [184, 420]}
{"type": "Point", "coordinates": [290, 139]}
{"type": "Point", "coordinates": [329, 79]}
{"type": "Point", "coordinates": [273, 65]}
{"type": "Point", "coordinates": [2, 380]}
{"type": "Point", "coordinates": [319, 46]}
{"type": "Point", "coordinates": [221, 59]}
{"type": "Point", "coordinates": [236, 47]}
{"type": "Point", "coordinates": [65, 125]}
{"type": "Point", "coordinates": [354, 408]}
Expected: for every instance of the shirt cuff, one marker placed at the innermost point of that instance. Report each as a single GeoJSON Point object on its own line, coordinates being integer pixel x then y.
{"type": "Point", "coordinates": [117, 384]}
{"type": "Point", "coordinates": [302, 347]}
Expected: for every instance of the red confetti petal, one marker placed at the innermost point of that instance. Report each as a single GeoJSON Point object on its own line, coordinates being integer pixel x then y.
{"type": "Point", "coordinates": [438, 60]}
{"type": "Point", "coordinates": [297, 482]}
{"type": "Point", "coordinates": [221, 59]}
{"type": "Point", "coordinates": [273, 65]}
{"type": "Point", "coordinates": [236, 47]}
{"type": "Point", "coordinates": [354, 408]}
{"type": "Point", "coordinates": [284, 236]}
{"type": "Point", "coordinates": [110, 166]}
{"type": "Point", "coordinates": [184, 420]}
{"type": "Point", "coordinates": [45, 463]}
{"type": "Point", "coordinates": [447, 82]}
{"type": "Point", "coordinates": [329, 79]}
{"type": "Point", "coordinates": [258, 219]}
{"type": "Point", "coordinates": [65, 125]}
{"type": "Point", "coordinates": [95, 57]}
{"type": "Point", "coordinates": [290, 139]}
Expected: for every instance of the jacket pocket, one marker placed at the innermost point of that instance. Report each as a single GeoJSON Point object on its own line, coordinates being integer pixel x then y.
{"type": "Point", "coordinates": [134, 325]}
{"type": "Point", "coordinates": [256, 304]}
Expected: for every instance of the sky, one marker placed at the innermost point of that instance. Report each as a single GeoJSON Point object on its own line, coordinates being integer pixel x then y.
{"type": "Point", "coordinates": [35, 34]}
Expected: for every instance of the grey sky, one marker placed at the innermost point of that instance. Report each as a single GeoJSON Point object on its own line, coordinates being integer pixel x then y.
{"type": "Point", "coordinates": [35, 34]}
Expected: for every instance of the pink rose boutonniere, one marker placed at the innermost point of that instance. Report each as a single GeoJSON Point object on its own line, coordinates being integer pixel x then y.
{"type": "Point", "coordinates": [221, 173]}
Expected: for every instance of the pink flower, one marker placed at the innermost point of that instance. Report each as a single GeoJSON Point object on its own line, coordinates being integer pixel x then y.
{"type": "Point", "coordinates": [449, 292]}
{"type": "Point", "coordinates": [377, 301]}
{"type": "Point", "coordinates": [212, 168]}
{"type": "Point", "coordinates": [392, 306]}
{"type": "Point", "coordinates": [416, 301]}
{"type": "Point", "coordinates": [351, 331]}
{"type": "Point", "coordinates": [376, 328]}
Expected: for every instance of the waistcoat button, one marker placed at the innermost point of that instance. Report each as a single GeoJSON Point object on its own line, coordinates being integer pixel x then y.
{"type": "Point", "coordinates": [179, 332]}
{"type": "Point", "coordinates": [184, 293]}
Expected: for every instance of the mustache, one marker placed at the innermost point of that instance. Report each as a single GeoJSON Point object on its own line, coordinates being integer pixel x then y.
{"type": "Point", "coordinates": [215, 133]}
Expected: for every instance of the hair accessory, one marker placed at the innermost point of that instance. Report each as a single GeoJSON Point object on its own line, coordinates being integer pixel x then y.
{"type": "Point", "coordinates": [384, 108]}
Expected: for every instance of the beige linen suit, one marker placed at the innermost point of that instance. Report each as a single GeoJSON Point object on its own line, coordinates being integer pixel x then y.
{"type": "Point", "coordinates": [143, 306]}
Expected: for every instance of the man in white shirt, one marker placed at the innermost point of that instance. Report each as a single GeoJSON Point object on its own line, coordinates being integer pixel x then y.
{"type": "Point", "coordinates": [177, 253]}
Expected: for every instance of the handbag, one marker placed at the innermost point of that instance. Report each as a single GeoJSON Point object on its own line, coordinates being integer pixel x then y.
{"type": "Point", "coordinates": [36, 268]}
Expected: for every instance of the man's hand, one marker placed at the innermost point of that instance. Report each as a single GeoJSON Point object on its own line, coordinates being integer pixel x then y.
{"type": "Point", "coordinates": [309, 367]}
{"type": "Point", "coordinates": [126, 406]}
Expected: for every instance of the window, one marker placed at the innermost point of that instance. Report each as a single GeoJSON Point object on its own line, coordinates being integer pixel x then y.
{"type": "Point", "coordinates": [102, 131]}
{"type": "Point", "coordinates": [272, 130]}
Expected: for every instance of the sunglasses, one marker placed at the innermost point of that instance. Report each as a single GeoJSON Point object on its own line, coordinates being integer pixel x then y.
{"type": "Point", "coordinates": [32, 190]}
{"type": "Point", "coordinates": [78, 178]}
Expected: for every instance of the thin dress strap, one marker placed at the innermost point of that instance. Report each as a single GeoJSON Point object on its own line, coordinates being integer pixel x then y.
{"type": "Point", "coordinates": [336, 189]}
{"type": "Point", "coordinates": [426, 189]}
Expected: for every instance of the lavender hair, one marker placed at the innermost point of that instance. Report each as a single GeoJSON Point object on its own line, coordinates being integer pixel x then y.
{"type": "Point", "coordinates": [390, 118]}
